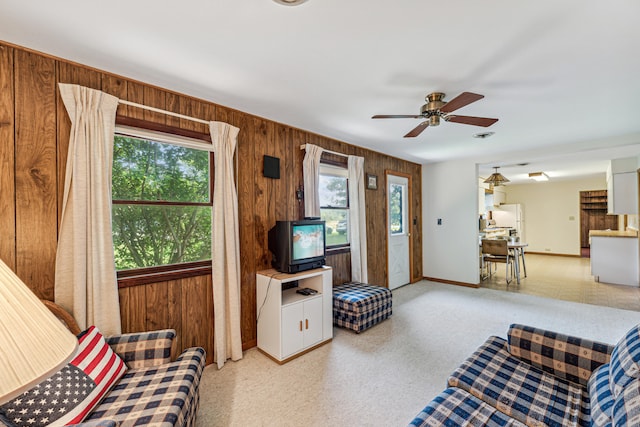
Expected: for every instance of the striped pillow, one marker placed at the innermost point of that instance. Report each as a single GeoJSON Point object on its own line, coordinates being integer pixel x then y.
{"type": "Point", "coordinates": [69, 395]}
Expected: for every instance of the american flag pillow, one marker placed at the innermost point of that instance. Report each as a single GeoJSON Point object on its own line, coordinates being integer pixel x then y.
{"type": "Point", "coordinates": [70, 394]}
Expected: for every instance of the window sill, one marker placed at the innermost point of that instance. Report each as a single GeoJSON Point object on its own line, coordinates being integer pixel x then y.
{"type": "Point", "coordinates": [337, 250]}
{"type": "Point", "coordinates": [145, 276]}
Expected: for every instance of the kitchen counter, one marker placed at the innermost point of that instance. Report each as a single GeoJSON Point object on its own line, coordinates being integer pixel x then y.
{"type": "Point", "coordinates": [492, 232]}
{"type": "Point", "coordinates": [614, 257]}
{"type": "Point", "coordinates": [613, 233]}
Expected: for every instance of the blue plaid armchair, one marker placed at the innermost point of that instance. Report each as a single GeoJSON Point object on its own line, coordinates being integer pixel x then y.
{"type": "Point", "coordinates": [154, 390]}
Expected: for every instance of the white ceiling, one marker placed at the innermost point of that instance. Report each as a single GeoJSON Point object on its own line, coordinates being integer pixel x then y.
{"type": "Point", "coordinates": [562, 77]}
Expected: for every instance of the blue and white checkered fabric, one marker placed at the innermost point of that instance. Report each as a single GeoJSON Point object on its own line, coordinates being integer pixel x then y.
{"type": "Point", "coordinates": [359, 297]}
{"type": "Point", "coordinates": [454, 407]}
{"type": "Point", "coordinates": [358, 306]}
{"type": "Point", "coordinates": [626, 409]}
{"type": "Point", "coordinates": [564, 356]}
{"type": "Point", "coordinates": [625, 361]}
{"type": "Point", "coordinates": [165, 395]}
{"type": "Point", "coordinates": [601, 397]}
{"type": "Point", "coordinates": [520, 390]}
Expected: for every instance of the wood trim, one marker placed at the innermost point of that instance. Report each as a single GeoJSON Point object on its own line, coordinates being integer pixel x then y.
{"type": "Point", "coordinates": [554, 254]}
{"type": "Point", "coordinates": [159, 127]}
{"type": "Point", "coordinates": [453, 282]}
{"type": "Point", "coordinates": [295, 356]}
{"type": "Point", "coordinates": [144, 276]}
{"type": "Point", "coordinates": [63, 315]}
{"type": "Point", "coordinates": [412, 232]}
{"type": "Point", "coordinates": [337, 250]}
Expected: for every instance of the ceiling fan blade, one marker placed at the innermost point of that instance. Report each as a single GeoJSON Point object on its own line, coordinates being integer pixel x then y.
{"type": "Point", "coordinates": [418, 129]}
{"type": "Point", "coordinates": [465, 98]}
{"type": "Point", "coordinates": [396, 116]}
{"type": "Point", "coordinates": [469, 120]}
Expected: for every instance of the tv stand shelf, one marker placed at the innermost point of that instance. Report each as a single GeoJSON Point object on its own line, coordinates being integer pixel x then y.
{"type": "Point", "coordinates": [291, 324]}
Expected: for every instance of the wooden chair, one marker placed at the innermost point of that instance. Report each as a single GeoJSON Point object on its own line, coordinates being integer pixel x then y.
{"type": "Point", "coordinates": [498, 251]}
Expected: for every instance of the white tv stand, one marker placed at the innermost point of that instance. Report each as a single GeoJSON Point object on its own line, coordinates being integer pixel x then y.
{"type": "Point", "coordinates": [291, 324]}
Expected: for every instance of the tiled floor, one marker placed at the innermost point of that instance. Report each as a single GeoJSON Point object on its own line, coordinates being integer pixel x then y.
{"type": "Point", "coordinates": [565, 278]}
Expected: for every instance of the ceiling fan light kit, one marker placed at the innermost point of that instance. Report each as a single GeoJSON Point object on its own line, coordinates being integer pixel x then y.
{"type": "Point", "coordinates": [539, 176]}
{"type": "Point", "coordinates": [496, 179]}
{"type": "Point", "coordinates": [436, 108]}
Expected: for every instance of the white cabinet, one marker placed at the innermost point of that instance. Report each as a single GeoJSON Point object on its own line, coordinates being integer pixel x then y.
{"type": "Point", "coordinates": [622, 186]}
{"type": "Point", "coordinates": [499, 196]}
{"type": "Point", "coordinates": [290, 324]}
{"type": "Point", "coordinates": [615, 260]}
{"type": "Point", "coordinates": [301, 325]}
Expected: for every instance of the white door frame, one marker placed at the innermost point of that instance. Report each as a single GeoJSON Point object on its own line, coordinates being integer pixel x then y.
{"type": "Point", "coordinates": [409, 220]}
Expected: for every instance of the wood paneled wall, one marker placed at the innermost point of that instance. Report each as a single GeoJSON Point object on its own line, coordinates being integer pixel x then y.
{"type": "Point", "coordinates": [34, 133]}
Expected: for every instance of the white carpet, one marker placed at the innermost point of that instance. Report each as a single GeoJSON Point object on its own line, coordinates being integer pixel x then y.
{"type": "Point", "coordinates": [387, 374]}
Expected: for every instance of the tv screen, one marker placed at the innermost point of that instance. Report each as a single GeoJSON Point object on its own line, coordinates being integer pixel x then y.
{"type": "Point", "coordinates": [297, 245]}
{"type": "Point", "coordinates": [308, 241]}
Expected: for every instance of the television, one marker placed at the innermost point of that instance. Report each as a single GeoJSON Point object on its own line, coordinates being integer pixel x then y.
{"type": "Point", "coordinates": [297, 245]}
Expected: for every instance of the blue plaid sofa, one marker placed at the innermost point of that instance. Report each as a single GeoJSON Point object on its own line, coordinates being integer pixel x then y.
{"type": "Point", "coordinates": [154, 391]}
{"type": "Point", "coordinates": [358, 306]}
{"type": "Point", "coordinates": [542, 378]}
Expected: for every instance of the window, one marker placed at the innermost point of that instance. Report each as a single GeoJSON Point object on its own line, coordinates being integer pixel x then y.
{"type": "Point", "coordinates": [396, 202]}
{"type": "Point", "coordinates": [162, 203]}
{"type": "Point", "coordinates": [334, 204]}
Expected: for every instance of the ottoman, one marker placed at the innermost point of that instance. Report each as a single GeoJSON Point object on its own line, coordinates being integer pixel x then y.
{"type": "Point", "coordinates": [359, 306]}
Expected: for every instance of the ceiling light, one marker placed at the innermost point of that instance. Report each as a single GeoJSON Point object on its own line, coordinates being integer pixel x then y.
{"type": "Point", "coordinates": [539, 176]}
{"type": "Point", "coordinates": [496, 179]}
{"type": "Point", "coordinates": [290, 2]}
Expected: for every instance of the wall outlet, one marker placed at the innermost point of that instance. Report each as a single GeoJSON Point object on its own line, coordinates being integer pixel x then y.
{"type": "Point", "coordinates": [572, 218]}
{"type": "Point", "coordinates": [439, 221]}
{"type": "Point", "coordinates": [547, 249]}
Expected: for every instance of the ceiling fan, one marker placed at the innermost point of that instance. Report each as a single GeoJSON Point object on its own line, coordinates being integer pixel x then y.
{"type": "Point", "coordinates": [435, 108]}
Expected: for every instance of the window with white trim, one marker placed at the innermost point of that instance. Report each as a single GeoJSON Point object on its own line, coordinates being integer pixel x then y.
{"type": "Point", "coordinates": [333, 189]}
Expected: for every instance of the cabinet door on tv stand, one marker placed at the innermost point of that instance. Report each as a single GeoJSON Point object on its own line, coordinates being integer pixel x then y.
{"type": "Point", "coordinates": [312, 322]}
{"type": "Point", "coordinates": [292, 329]}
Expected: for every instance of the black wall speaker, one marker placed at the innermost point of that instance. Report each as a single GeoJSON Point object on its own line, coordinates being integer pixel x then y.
{"type": "Point", "coordinates": [271, 167]}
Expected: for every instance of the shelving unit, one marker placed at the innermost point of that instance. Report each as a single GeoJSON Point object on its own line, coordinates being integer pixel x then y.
{"type": "Point", "coordinates": [593, 214]}
{"type": "Point", "coordinates": [594, 200]}
{"type": "Point", "coordinates": [291, 324]}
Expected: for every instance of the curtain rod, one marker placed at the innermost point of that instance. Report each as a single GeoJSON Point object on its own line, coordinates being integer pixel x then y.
{"type": "Point", "coordinates": [304, 146]}
{"type": "Point", "coordinates": [158, 110]}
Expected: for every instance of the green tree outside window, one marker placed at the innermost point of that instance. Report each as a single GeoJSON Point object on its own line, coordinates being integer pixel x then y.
{"type": "Point", "coordinates": [161, 203]}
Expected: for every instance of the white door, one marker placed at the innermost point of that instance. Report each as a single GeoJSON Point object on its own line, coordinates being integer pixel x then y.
{"type": "Point", "coordinates": [398, 230]}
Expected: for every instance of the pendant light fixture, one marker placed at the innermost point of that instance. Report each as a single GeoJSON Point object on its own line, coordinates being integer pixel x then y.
{"type": "Point", "coordinates": [496, 179]}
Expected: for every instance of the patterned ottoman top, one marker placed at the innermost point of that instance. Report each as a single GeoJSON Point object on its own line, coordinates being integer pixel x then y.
{"type": "Point", "coordinates": [360, 297]}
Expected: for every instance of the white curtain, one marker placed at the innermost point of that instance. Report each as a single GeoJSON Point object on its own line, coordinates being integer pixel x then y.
{"type": "Point", "coordinates": [311, 176]}
{"type": "Point", "coordinates": [358, 220]}
{"type": "Point", "coordinates": [85, 276]}
{"type": "Point", "coordinates": [225, 247]}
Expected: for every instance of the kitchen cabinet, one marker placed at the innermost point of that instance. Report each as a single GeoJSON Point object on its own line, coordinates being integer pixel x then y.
{"type": "Point", "coordinates": [614, 257]}
{"type": "Point", "coordinates": [622, 186]}
{"type": "Point", "coordinates": [499, 196]}
{"type": "Point", "coordinates": [289, 323]}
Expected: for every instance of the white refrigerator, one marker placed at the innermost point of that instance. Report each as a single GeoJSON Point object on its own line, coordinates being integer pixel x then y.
{"type": "Point", "coordinates": [510, 216]}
